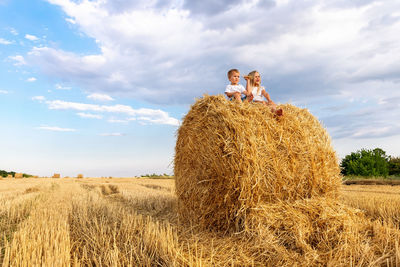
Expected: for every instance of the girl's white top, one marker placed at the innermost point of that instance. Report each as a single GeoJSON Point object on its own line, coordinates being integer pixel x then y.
{"type": "Point", "coordinates": [257, 96]}
{"type": "Point", "coordinates": [234, 88]}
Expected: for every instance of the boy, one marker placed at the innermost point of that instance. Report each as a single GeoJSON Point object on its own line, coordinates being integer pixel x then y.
{"type": "Point", "coordinates": [235, 90]}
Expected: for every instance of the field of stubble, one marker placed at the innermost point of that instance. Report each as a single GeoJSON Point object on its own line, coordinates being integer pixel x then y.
{"type": "Point", "coordinates": [129, 222]}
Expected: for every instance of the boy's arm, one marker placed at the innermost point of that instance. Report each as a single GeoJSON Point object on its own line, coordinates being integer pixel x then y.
{"type": "Point", "coordinates": [228, 91]}
{"type": "Point", "coordinates": [230, 94]}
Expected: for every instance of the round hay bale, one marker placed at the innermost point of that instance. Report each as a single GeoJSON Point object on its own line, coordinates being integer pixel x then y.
{"type": "Point", "coordinates": [231, 158]}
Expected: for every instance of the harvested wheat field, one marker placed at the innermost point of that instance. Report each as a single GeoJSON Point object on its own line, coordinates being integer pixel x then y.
{"type": "Point", "coordinates": [133, 222]}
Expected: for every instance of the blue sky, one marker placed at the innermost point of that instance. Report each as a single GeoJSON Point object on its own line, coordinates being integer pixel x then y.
{"type": "Point", "coordinates": [99, 87]}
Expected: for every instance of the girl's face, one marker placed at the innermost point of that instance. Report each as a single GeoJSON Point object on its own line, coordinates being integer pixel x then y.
{"type": "Point", "coordinates": [257, 78]}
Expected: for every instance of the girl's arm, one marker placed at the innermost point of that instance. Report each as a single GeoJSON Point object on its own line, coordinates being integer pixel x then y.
{"type": "Point", "coordinates": [266, 95]}
{"type": "Point", "coordinates": [248, 89]}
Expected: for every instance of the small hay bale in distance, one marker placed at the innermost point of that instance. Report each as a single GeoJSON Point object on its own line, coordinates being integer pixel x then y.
{"type": "Point", "coordinates": [9, 176]}
{"type": "Point", "coordinates": [18, 175]}
{"type": "Point", "coordinates": [231, 158]}
{"type": "Point", "coordinates": [80, 176]}
{"type": "Point", "coordinates": [56, 175]}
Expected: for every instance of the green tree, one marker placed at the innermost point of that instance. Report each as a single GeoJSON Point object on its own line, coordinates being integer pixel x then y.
{"type": "Point", "coordinates": [5, 173]}
{"type": "Point", "coordinates": [394, 166]}
{"type": "Point", "coordinates": [366, 162]}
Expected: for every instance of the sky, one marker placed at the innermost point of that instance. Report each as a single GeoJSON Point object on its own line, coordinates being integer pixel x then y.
{"type": "Point", "coordinates": [100, 87]}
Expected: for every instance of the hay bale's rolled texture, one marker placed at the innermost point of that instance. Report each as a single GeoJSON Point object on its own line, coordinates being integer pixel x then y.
{"type": "Point", "coordinates": [230, 158]}
{"type": "Point", "coordinates": [18, 175]}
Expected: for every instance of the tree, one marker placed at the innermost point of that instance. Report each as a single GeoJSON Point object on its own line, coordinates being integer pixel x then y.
{"type": "Point", "coordinates": [366, 162]}
{"type": "Point", "coordinates": [5, 173]}
{"type": "Point", "coordinates": [394, 166]}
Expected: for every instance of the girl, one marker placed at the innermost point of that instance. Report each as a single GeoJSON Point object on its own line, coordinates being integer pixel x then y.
{"type": "Point", "coordinates": [253, 86]}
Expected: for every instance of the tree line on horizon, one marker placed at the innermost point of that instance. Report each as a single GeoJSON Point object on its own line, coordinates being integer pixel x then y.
{"type": "Point", "coordinates": [6, 173]}
{"type": "Point", "coordinates": [364, 162]}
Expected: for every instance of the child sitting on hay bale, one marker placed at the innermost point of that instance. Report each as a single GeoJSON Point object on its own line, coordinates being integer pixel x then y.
{"type": "Point", "coordinates": [253, 87]}
{"type": "Point", "coordinates": [235, 90]}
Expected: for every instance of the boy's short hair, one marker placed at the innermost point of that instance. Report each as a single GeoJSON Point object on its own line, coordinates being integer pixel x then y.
{"type": "Point", "coordinates": [230, 72]}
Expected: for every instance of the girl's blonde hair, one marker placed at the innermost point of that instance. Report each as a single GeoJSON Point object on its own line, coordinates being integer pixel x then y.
{"type": "Point", "coordinates": [251, 80]}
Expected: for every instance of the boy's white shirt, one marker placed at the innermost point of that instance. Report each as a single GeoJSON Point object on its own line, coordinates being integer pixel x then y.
{"type": "Point", "coordinates": [235, 88]}
{"type": "Point", "coordinates": [259, 96]}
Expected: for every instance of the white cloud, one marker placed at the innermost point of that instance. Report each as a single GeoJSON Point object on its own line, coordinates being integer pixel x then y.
{"type": "Point", "coordinates": [31, 79]}
{"type": "Point", "coordinates": [3, 92]}
{"type": "Point", "coordinates": [113, 67]}
{"type": "Point", "coordinates": [117, 121]}
{"type": "Point", "coordinates": [88, 115]}
{"type": "Point", "coordinates": [162, 120]}
{"type": "Point", "coordinates": [295, 46]}
{"type": "Point", "coordinates": [100, 97]}
{"type": "Point", "coordinates": [5, 42]}
{"type": "Point", "coordinates": [307, 52]}
{"type": "Point", "coordinates": [111, 134]}
{"type": "Point", "coordinates": [55, 129]}
{"type": "Point", "coordinates": [372, 131]}
{"type": "Point", "coordinates": [13, 31]}
{"type": "Point", "coordinates": [155, 116]}
{"type": "Point", "coordinates": [72, 21]}
{"type": "Point", "coordinates": [31, 37]}
{"type": "Point", "coordinates": [20, 60]}
{"type": "Point", "coordinates": [39, 98]}
{"type": "Point", "coordinates": [61, 87]}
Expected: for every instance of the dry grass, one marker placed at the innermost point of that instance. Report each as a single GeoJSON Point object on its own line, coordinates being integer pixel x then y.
{"type": "Point", "coordinates": [73, 223]}
{"type": "Point", "coordinates": [380, 202]}
{"type": "Point", "coordinates": [106, 233]}
{"type": "Point", "coordinates": [14, 209]}
{"type": "Point", "coordinates": [32, 189]}
{"type": "Point", "coordinates": [109, 189]}
{"type": "Point", "coordinates": [43, 238]}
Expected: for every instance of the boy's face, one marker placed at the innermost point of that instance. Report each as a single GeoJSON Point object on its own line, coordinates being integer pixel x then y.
{"type": "Point", "coordinates": [234, 78]}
